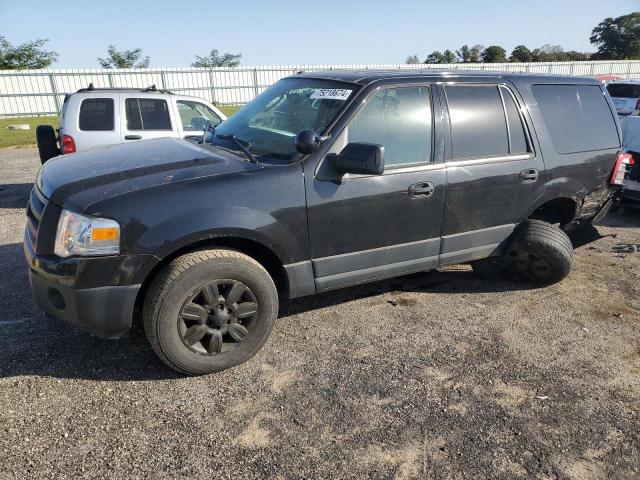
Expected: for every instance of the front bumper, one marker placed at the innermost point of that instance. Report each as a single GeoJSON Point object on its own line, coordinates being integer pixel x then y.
{"type": "Point", "coordinates": [67, 289]}
{"type": "Point", "coordinates": [103, 311]}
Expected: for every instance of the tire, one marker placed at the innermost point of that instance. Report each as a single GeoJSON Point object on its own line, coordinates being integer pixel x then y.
{"type": "Point", "coordinates": [539, 252]}
{"type": "Point", "coordinates": [46, 140]}
{"type": "Point", "coordinates": [177, 310]}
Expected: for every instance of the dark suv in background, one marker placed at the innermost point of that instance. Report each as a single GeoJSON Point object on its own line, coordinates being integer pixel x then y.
{"type": "Point", "coordinates": [325, 180]}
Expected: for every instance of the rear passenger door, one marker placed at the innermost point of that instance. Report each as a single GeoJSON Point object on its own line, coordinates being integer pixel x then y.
{"type": "Point", "coordinates": [493, 171]}
{"type": "Point", "coordinates": [146, 117]}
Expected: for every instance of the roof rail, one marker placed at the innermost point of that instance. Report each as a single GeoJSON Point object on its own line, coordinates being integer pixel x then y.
{"type": "Point", "coordinates": [151, 89]}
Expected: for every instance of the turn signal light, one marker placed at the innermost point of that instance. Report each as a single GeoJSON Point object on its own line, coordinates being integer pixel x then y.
{"type": "Point", "coordinates": [104, 233]}
{"type": "Point", "coordinates": [68, 144]}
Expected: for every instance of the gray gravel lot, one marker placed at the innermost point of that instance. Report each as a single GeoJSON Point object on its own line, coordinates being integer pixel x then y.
{"type": "Point", "coordinates": [438, 375]}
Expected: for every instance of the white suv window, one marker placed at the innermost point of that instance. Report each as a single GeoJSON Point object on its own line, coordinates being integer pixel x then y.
{"type": "Point", "coordinates": [195, 115]}
{"type": "Point", "coordinates": [96, 114]}
{"type": "Point", "coordinates": [147, 114]}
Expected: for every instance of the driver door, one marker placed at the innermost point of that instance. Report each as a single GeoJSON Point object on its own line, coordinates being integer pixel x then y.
{"type": "Point", "coordinates": [366, 227]}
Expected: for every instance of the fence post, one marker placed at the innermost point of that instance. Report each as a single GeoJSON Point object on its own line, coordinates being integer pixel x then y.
{"type": "Point", "coordinates": [56, 100]}
{"type": "Point", "coordinates": [255, 81]}
{"type": "Point", "coordinates": [110, 78]}
{"type": "Point", "coordinates": [163, 82]}
{"type": "Point", "coordinates": [212, 86]}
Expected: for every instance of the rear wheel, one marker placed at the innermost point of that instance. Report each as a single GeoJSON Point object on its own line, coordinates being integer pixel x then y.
{"type": "Point", "coordinates": [46, 140]}
{"type": "Point", "coordinates": [539, 253]}
{"type": "Point", "coordinates": [210, 310]}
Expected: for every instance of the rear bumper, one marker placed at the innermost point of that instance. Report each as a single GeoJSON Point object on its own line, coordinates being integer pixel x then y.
{"type": "Point", "coordinates": [631, 194]}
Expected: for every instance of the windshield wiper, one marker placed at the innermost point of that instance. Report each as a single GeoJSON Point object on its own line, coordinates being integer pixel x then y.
{"type": "Point", "coordinates": [241, 145]}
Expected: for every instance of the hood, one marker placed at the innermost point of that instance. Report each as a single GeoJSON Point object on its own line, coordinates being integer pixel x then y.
{"type": "Point", "coordinates": [94, 175]}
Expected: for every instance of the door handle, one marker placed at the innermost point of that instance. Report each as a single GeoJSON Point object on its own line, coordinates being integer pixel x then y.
{"type": "Point", "coordinates": [133, 137]}
{"type": "Point", "coordinates": [529, 176]}
{"type": "Point", "coordinates": [421, 190]}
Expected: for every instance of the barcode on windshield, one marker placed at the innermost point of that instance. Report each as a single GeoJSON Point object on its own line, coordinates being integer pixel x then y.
{"type": "Point", "coordinates": [331, 93]}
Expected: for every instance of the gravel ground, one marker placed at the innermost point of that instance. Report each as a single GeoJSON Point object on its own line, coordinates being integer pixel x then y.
{"type": "Point", "coordinates": [438, 375]}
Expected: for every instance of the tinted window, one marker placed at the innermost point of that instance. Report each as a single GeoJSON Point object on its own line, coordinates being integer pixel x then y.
{"type": "Point", "coordinates": [517, 136]}
{"type": "Point", "coordinates": [96, 114]}
{"type": "Point", "coordinates": [147, 114]}
{"type": "Point", "coordinates": [478, 125]}
{"type": "Point", "coordinates": [400, 120]}
{"type": "Point", "coordinates": [195, 115]}
{"type": "Point", "coordinates": [624, 90]}
{"type": "Point", "coordinates": [578, 117]}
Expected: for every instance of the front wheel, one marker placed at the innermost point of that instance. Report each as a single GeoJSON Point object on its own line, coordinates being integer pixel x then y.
{"type": "Point", "coordinates": [539, 252]}
{"type": "Point", "coordinates": [210, 310]}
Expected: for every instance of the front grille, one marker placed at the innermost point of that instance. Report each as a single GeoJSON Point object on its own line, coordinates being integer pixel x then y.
{"type": "Point", "coordinates": [35, 211]}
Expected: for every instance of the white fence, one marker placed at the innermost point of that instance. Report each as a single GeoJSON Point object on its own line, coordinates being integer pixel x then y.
{"type": "Point", "coordinates": [41, 92]}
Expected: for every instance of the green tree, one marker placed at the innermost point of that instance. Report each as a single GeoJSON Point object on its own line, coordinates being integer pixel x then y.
{"type": "Point", "coordinates": [464, 54]}
{"type": "Point", "coordinates": [574, 56]}
{"type": "Point", "coordinates": [520, 54]}
{"type": "Point", "coordinates": [214, 59]}
{"type": "Point", "coordinates": [29, 55]}
{"type": "Point", "coordinates": [494, 54]}
{"type": "Point", "coordinates": [449, 56]}
{"type": "Point", "coordinates": [412, 60]}
{"type": "Point", "coordinates": [617, 38]}
{"type": "Point", "coordinates": [124, 59]}
{"type": "Point", "coordinates": [435, 57]}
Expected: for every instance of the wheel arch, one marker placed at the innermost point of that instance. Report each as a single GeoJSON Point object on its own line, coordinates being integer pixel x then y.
{"type": "Point", "coordinates": [249, 246]}
{"type": "Point", "coordinates": [560, 209]}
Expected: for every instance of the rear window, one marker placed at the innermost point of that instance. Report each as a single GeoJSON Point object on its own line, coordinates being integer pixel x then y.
{"type": "Point", "coordinates": [147, 114]}
{"type": "Point", "coordinates": [96, 114]}
{"type": "Point", "coordinates": [624, 90]}
{"type": "Point", "coordinates": [578, 117]}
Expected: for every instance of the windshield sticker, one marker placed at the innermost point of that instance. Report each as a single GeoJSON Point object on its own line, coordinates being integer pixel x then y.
{"type": "Point", "coordinates": [331, 93]}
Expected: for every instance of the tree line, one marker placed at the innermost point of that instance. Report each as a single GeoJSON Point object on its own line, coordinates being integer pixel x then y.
{"type": "Point", "coordinates": [615, 39]}
{"type": "Point", "coordinates": [33, 55]}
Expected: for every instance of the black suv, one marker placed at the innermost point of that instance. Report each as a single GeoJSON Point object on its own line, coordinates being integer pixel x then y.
{"type": "Point", "coordinates": [325, 180]}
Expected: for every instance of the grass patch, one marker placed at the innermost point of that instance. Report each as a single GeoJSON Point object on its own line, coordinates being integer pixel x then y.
{"type": "Point", "coordinates": [21, 138]}
{"type": "Point", "coordinates": [229, 110]}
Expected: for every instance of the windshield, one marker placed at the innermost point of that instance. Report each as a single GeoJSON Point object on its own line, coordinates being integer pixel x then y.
{"type": "Point", "coordinates": [268, 125]}
{"type": "Point", "coordinates": [624, 90]}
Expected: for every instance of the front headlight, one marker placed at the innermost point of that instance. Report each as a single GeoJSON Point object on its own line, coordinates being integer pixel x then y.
{"type": "Point", "coordinates": [81, 235]}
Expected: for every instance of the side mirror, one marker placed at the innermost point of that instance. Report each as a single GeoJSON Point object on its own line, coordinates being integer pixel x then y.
{"type": "Point", "coordinates": [365, 158]}
{"type": "Point", "coordinates": [307, 141]}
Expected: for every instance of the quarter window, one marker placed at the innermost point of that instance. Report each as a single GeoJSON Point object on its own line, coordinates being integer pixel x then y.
{"type": "Point", "coordinates": [147, 114]}
{"type": "Point", "coordinates": [96, 114]}
{"type": "Point", "coordinates": [399, 119]}
{"type": "Point", "coordinates": [578, 117]}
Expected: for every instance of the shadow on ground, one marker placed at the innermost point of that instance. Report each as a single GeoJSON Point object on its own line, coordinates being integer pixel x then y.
{"type": "Point", "coordinates": [15, 195]}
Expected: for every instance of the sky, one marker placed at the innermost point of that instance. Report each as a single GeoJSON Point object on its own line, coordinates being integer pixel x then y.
{"type": "Point", "coordinates": [298, 32]}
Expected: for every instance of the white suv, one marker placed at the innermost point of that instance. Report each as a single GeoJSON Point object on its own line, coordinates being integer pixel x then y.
{"type": "Point", "coordinates": [94, 117]}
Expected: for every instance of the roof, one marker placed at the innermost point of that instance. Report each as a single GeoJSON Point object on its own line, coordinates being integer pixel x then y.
{"type": "Point", "coordinates": [365, 77]}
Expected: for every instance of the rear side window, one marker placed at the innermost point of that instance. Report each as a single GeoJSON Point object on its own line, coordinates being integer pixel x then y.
{"type": "Point", "coordinates": [96, 114]}
{"type": "Point", "coordinates": [578, 117]}
{"type": "Point", "coordinates": [478, 123]}
{"type": "Point", "coordinates": [147, 114]}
